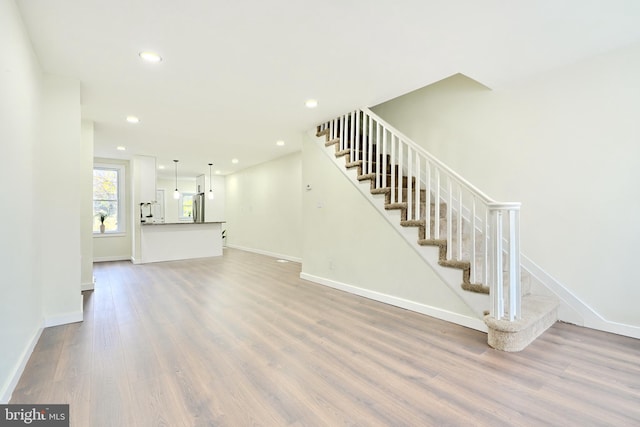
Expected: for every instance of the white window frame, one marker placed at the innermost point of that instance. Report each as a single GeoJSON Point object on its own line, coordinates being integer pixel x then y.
{"type": "Point", "coordinates": [122, 207]}
{"type": "Point", "coordinates": [181, 209]}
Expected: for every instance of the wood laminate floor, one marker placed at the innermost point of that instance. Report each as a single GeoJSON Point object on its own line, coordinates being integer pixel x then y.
{"type": "Point", "coordinates": [241, 340]}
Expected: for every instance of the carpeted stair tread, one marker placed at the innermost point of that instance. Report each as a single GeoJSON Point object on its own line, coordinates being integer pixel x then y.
{"type": "Point", "coordinates": [476, 287]}
{"type": "Point", "coordinates": [462, 265]}
{"type": "Point", "coordinates": [342, 153]}
{"type": "Point", "coordinates": [413, 223]}
{"type": "Point", "coordinates": [320, 133]}
{"type": "Point", "coordinates": [539, 313]}
{"type": "Point", "coordinates": [366, 176]}
{"type": "Point", "coordinates": [355, 164]}
{"type": "Point", "coordinates": [432, 242]}
{"type": "Point", "coordinates": [332, 142]}
{"type": "Point", "coordinates": [391, 206]}
{"type": "Point", "coordinates": [381, 190]}
{"type": "Point", "coordinates": [536, 306]}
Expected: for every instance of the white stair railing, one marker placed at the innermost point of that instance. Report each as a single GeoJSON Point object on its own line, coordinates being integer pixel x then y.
{"type": "Point", "coordinates": [477, 229]}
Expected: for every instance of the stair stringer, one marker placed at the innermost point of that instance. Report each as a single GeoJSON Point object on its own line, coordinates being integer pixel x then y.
{"type": "Point", "coordinates": [477, 302]}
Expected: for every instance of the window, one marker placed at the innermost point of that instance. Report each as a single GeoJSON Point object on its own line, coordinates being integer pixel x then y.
{"type": "Point", "coordinates": [108, 198]}
{"type": "Point", "coordinates": [186, 207]}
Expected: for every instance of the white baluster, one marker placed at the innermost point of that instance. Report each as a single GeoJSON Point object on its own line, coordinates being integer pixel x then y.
{"type": "Point", "coordinates": [459, 231]}
{"type": "Point", "coordinates": [393, 163]}
{"type": "Point", "coordinates": [472, 255]}
{"type": "Point", "coordinates": [379, 158]}
{"type": "Point", "coordinates": [418, 212]}
{"type": "Point", "coordinates": [370, 133]}
{"type": "Point", "coordinates": [355, 145]}
{"type": "Point", "coordinates": [385, 151]}
{"type": "Point", "coordinates": [436, 224]}
{"type": "Point", "coordinates": [497, 283]}
{"type": "Point", "coordinates": [400, 170]}
{"type": "Point", "coordinates": [427, 233]}
{"type": "Point", "coordinates": [515, 289]}
{"type": "Point", "coordinates": [449, 219]}
{"type": "Point", "coordinates": [485, 247]}
{"type": "Point", "coordinates": [410, 192]}
{"type": "Point", "coordinates": [343, 120]}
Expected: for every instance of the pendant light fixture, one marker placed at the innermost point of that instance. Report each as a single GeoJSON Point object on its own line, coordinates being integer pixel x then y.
{"type": "Point", "coordinates": [210, 195]}
{"type": "Point", "coordinates": [176, 193]}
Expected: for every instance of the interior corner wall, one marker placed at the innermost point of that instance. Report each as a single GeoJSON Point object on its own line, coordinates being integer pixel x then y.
{"type": "Point", "coordinates": [566, 145]}
{"type": "Point", "coordinates": [86, 206]}
{"type": "Point", "coordinates": [347, 242]}
{"type": "Point", "coordinates": [263, 208]}
{"type": "Point", "coordinates": [60, 166]}
{"type": "Point", "coordinates": [20, 115]}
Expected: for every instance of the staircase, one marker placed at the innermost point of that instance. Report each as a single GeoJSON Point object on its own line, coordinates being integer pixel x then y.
{"type": "Point", "coordinates": [469, 232]}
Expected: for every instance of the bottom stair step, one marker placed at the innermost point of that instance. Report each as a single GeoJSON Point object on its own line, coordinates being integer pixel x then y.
{"type": "Point", "coordinates": [539, 313]}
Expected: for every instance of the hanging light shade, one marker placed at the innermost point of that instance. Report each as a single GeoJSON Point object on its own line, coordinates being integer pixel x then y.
{"type": "Point", "coordinates": [210, 195]}
{"type": "Point", "coordinates": [176, 193]}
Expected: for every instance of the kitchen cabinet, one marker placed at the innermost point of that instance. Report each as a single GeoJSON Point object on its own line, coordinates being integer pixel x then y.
{"type": "Point", "coordinates": [175, 241]}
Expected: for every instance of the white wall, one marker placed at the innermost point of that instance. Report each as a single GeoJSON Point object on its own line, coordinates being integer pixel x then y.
{"type": "Point", "coordinates": [60, 166]}
{"type": "Point", "coordinates": [108, 247]}
{"type": "Point", "coordinates": [215, 209]}
{"type": "Point", "coordinates": [40, 255]}
{"type": "Point", "coordinates": [347, 242]}
{"type": "Point", "coordinates": [263, 208]}
{"type": "Point", "coordinates": [86, 205]}
{"type": "Point", "coordinates": [566, 144]}
{"type": "Point", "coordinates": [20, 304]}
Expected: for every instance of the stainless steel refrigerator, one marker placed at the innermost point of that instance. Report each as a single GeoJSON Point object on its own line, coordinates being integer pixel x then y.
{"type": "Point", "coordinates": [198, 207]}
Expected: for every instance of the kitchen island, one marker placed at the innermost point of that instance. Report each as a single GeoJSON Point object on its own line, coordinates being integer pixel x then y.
{"type": "Point", "coordinates": [179, 240]}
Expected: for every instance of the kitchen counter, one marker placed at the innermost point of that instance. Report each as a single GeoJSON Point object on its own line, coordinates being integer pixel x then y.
{"type": "Point", "coordinates": [182, 223]}
{"type": "Point", "coordinates": [180, 240]}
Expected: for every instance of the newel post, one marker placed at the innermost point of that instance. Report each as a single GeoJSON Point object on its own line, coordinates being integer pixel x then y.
{"type": "Point", "coordinates": [504, 261]}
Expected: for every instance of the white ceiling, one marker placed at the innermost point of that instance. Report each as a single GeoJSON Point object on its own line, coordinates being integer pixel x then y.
{"type": "Point", "coordinates": [235, 74]}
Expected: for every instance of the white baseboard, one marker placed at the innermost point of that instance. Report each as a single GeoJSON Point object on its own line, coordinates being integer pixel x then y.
{"type": "Point", "coordinates": [615, 328]}
{"type": "Point", "coordinates": [587, 317]}
{"type": "Point", "coordinates": [63, 319]}
{"type": "Point", "coordinates": [268, 253]}
{"type": "Point", "coordinates": [88, 286]}
{"type": "Point", "coordinates": [112, 258]}
{"type": "Point", "coordinates": [5, 395]}
{"type": "Point", "coordinates": [438, 313]}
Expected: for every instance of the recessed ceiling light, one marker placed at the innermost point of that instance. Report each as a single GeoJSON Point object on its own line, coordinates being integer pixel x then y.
{"type": "Point", "coordinates": [234, 161]}
{"type": "Point", "coordinates": [311, 103]}
{"type": "Point", "coordinates": [280, 143]}
{"type": "Point", "coordinates": [218, 172]}
{"type": "Point", "coordinates": [160, 166]}
{"type": "Point", "coordinates": [121, 148]}
{"type": "Point", "coordinates": [150, 56]}
{"type": "Point", "coordinates": [133, 119]}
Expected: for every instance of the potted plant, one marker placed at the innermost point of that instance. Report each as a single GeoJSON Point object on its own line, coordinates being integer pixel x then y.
{"type": "Point", "coordinates": [103, 216]}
